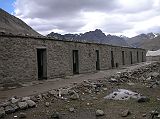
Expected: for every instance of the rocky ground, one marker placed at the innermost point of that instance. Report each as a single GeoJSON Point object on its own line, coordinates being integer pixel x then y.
{"type": "Point", "coordinates": [98, 99]}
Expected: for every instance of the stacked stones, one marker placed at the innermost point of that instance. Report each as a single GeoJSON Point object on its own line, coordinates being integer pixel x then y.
{"type": "Point", "coordinates": [14, 104]}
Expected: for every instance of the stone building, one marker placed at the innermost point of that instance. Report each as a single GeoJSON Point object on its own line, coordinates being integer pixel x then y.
{"type": "Point", "coordinates": [153, 55]}
{"type": "Point", "coordinates": [28, 58]}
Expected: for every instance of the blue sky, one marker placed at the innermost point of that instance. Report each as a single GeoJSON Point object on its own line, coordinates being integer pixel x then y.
{"type": "Point", "coordinates": [7, 5]}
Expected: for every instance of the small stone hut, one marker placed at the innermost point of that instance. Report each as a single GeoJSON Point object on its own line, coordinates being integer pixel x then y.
{"type": "Point", "coordinates": [153, 55]}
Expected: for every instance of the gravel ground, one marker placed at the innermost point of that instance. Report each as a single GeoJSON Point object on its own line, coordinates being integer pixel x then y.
{"type": "Point", "coordinates": [92, 89]}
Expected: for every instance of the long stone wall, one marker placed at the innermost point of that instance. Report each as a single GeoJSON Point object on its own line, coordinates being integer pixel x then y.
{"type": "Point", "coordinates": [18, 57]}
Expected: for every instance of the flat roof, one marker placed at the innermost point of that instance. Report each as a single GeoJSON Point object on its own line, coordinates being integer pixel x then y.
{"type": "Point", "coordinates": [54, 39]}
{"type": "Point", "coordinates": [153, 53]}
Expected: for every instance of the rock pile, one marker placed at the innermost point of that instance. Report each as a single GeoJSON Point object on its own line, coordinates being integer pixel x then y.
{"type": "Point", "coordinates": [14, 104]}
{"type": "Point", "coordinates": [89, 89]}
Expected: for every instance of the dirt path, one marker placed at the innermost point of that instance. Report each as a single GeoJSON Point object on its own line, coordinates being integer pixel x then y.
{"type": "Point", "coordinates": [46, 85]}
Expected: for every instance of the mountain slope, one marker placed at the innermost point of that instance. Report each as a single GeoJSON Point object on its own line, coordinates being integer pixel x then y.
{"type": "Point", "coordinates": [138, 40]}
{"type": "Point", "coordinates": [151, 44]}
{"type": "Point", "coordinates": [92, 36]}
{"type": "Point", "coordinates": [11, 24]}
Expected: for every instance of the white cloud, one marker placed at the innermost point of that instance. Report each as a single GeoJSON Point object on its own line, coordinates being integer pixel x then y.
{"type": "Point", "coordinates": [121, 17]}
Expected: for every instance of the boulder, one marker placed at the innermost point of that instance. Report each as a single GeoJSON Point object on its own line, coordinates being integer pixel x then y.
{"type": "Point", "coordinates": [99, 112]}
{"type": "Point", "coordinates": [25, 98]}
{"type": "Point", "coordinates": [15, 107]}
{"type": "Point", "coordinates": [2, 112]}
{"type": "Point", "coordinates": [9, 109]}
{"type": "Point", "coordinates": [14, 100]}
{"type": "Point", "coordinates": [31, 103]}
{"type": "Point", "coordinates": [4, 104]}
{"type": "Point", "coordinates": [143, 99]}
{"type": "Point", "coordinates": [22, 105]}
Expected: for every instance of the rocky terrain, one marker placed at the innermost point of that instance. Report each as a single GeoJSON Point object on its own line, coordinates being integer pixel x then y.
{"type": "Point", "coordinates": [92, 36]}
{"type": "Point", "coordinates": [132, 94]}
{"type": "Point", "coordinates": [11, 24]}
{"type": "Point", "coordinates": [148, 41]}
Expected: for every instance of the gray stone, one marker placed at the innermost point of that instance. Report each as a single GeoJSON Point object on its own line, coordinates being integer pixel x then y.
{"type": "Point", "coordinates": [144, 115]}
{"type": "Point", "coordinates": [4, 104]}
{"type": "Point", "coordinates": [63, 92]}
{"type": "Point", "coordinates": [99, 112]}
{"type": "Point", "coordinates": [22, 115]}
{"type": "Point", "coordinates": [2, 112]}
{"type": "Point", "coordinates": [39, 97]}
{"type": "Point", "coordinates": [158, 117]}
{"type": "Point", "coordinates": [75, 96]}
{"type": "Point", "coordinates": [25, 98]}
{"type": "Point", "coordinates": [125, 113]}
{"type": "Point", "coordinates": [15, 107]}
{"type": "Point", "coordinates": [22, 105]}
{"type": "Point", "coordinates": [45, 96]}
{"type": "Point", "coordinates": [47, 104]}
{"type": "Point", "coordinates": [33, 98]}
{"type": "Point", "coordinates": [143, 99]}
{"type": "Point", "coordinates": [154, 113]}
{"type": "Point", "coordinates": [31, 103]}
{"type": "Point", "coordinates": [9, 109]}
{"type": "Point", "coordinates": [72, 109]}
{"type": "Point", "coordinates": [13, 100]}
{"type": "Point", "coordinates": [55, 115]}
{"type": "Point", "coordinates": [53, 92]}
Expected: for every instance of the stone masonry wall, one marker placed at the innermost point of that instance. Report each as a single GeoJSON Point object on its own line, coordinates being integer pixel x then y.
{"type": "Point", "coordinates": [18, 57]}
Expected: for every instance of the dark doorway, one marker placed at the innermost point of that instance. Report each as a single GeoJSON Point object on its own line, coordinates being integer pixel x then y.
{"type": "Point", "coordinates": [112, 59]}
{"type": "Point", "coordinates": [97, 60]}
{"type": "Point", "coordinates": [42, 64]}
{"type": "Point", "coordinates": [123, 58]}
{"type": "Point", "coordinates": [137, 57]}
{"type": "Point", "coordinates": [75, 62]}
{"type": "Point", "coordinates": [131, 57]}
{"type": "Point", "coordinates": [142, 57]}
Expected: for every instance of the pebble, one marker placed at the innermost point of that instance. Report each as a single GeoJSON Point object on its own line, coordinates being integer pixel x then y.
{"type": "Point", "coordinates": [22, 115]}
{"type": "Point", "coordinates": [72, 109]}
{"type": "Point", "coordinates": [125, 113]}
{"type": "Point", "coordinates": [47, 104]}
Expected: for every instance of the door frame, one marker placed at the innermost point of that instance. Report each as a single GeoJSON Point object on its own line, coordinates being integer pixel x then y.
{"type": "Point", "coordinates": [97, 60]}
{"type": "Point", "coordinates": [42, 63]}
{"type": "Point", "coordinates": [75, 58]}
{"type": "Point", "coordinates": [112, 59]}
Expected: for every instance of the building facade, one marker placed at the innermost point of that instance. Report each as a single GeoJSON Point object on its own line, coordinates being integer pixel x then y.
{"type": "Point", "coordinates": [24, 58]}
{"type": "Point", "coordinates": [153, 55]}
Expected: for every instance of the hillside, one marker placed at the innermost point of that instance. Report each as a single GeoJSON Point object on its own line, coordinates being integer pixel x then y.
{"type": "Point", "coordinates": [11, 24]}
{"type": "Point", "coordinates": [92, 36]}
{"type": "Point", "coordinates": [152, 44]}
{"type": "Point", "coordinates": [149, 41]}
